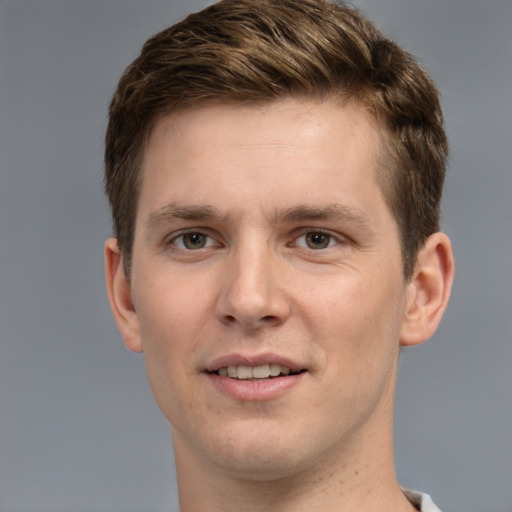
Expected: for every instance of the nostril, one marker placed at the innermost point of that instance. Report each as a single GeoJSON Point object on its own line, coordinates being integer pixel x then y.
{"type": "Point", "coordinates": [266, 320]}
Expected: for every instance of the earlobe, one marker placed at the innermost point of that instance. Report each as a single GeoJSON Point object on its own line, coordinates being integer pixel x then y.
{"type": "Point", "coordinates": [428, 290]}
{"type": "Point", "coordinates": [120, 296]}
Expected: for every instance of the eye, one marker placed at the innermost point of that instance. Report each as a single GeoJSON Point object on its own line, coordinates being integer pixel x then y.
{"type": "Point", "coordinates": [192, 241]}
{"type": "Point", "coordinates": [315, 240]}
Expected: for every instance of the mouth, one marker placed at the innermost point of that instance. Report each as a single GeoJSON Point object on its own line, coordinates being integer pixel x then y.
{"type": "Point", "coordinates": [257, 378]}
{"type": "Point", "coordinates": [256, 373]}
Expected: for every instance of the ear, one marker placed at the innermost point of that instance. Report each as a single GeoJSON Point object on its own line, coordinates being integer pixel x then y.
{"type": "Point", "coordinates": [428, 290]}
{"type": "Point", "coordinates": [120, 296]}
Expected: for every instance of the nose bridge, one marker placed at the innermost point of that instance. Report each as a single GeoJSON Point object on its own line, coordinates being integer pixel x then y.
{"type": "Point", "coordinates": [251, 293]}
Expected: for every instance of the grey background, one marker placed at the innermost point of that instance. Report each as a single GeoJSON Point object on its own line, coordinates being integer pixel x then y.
{"type": "Point", "coordinates": [79, 430]}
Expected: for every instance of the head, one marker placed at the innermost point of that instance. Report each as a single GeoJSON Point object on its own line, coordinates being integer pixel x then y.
{"type": "Point", "coordinates": [216, 274]}
{"type": "Point", "coordinates": [253, 52]}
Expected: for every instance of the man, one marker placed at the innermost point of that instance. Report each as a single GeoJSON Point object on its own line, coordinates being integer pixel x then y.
{"type": "Point", "coordinates": [275, 172]}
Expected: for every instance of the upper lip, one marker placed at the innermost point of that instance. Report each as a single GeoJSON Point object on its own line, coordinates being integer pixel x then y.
{"type": "Point", "coordinates": [252, 360]}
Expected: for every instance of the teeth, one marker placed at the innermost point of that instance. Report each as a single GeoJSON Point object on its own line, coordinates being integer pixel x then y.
{"type": "Point", "coordinates": [244, 372]}
{"type": "Point", "coordinates": [263, 371]}
{"type": "Point", "coordinates": [275, 369]}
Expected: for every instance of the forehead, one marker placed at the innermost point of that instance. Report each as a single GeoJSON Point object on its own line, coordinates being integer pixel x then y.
{"type": "Point", "coordinates": [293, 143]}
{"type": "Point", "coordinates": [305, 121]}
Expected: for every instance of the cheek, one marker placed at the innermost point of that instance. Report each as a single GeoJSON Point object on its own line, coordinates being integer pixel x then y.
{"type": "Point", "coordinates": [164, 315]}
{"type": "Point", "coordinates": [169, 302]}
{"type": "Point", "coordinates": [358, 318]}
{"type": "Point", "coordinates": [168, 328]}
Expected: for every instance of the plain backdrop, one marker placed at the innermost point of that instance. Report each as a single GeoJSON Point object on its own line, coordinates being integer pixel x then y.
{"type": "Point", "coordinates": [79, 430]}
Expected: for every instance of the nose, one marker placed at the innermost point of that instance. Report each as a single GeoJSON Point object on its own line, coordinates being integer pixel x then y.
{"type": "Point", "coordinates": [252, 294]}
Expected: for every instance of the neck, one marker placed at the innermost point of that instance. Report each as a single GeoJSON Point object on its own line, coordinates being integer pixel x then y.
{"type": "Point", "coordinates": [361, 478]}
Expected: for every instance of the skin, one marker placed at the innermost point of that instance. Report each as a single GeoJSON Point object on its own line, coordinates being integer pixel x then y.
{"type": "Point", "coordinates": [296, 257]}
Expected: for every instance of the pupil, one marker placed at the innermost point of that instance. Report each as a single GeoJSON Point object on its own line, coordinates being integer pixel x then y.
{"type": "Point", "coordinates": [318, 240]}
{"type": "Point", "coordinates": [194, 240]}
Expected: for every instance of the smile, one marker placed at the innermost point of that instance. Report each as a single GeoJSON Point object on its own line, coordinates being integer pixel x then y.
{"type": "Point", "coordinates": [263, 371]}
{"type": "Point", "coordinates": [261, 382]}
{"type": "Point", "coordinates": [256, 377]}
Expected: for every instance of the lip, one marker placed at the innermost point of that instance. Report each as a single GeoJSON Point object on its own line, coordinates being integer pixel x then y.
{"type": "Point", "coordinates": [252, 360]}
{"type": "Point", "coordinates": [254, 390]}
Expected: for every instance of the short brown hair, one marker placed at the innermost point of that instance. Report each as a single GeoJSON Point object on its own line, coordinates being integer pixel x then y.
{"type": "Point", "coordinates": [253, 51]}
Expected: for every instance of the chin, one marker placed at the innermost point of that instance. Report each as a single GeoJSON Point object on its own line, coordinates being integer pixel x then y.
{"type": "Point", "coordinates": [259, 454]}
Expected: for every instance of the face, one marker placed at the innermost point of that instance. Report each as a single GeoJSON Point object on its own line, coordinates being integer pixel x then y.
{"type": "Point", "coordinates": [267, 284]}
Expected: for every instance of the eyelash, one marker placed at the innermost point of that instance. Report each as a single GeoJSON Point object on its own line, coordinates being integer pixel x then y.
{"type": "Point", "coordinates": [210, 241]}
{"type": "Point", "coordinates": [333, 240]}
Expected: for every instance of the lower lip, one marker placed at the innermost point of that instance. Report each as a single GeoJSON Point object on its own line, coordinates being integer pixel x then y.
{"type": "Point", "coordinates": [254, 390]}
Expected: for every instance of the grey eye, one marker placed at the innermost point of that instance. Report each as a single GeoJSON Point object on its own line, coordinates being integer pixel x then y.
{"type": "Point", "coordinates": [194, 240]}
{"type": "Point", "coordinates": [318, 240]}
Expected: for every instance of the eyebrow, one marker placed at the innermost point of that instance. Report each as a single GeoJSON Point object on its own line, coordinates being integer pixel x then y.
{"type": "Point", "coordinates": [329, 212]}
{"type": "Point", "coordinates": [172, 211]}
{"type": "Point", "coordinates": [301, 213]}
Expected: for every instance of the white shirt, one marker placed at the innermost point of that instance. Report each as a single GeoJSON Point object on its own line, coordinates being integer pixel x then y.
{"type": "Point", "coordinates": [420, 500]}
